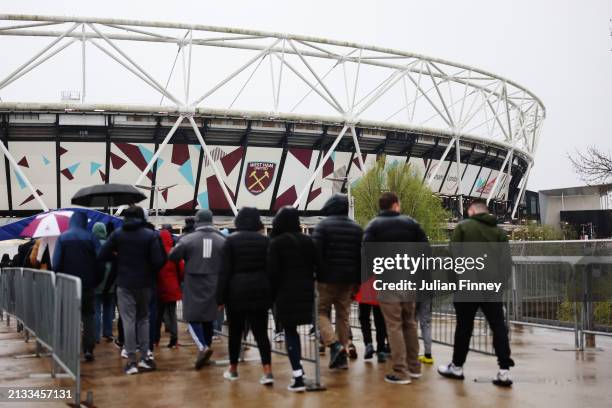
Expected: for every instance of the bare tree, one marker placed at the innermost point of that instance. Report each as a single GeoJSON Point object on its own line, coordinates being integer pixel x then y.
{"type": "Point", "coordinates": [593, 166]}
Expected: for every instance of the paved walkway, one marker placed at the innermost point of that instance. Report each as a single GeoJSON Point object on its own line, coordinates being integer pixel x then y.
{"type": "Point", "coordinates": [543, 378]}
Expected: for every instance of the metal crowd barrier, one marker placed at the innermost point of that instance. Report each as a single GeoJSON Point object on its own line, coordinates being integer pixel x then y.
{"type": "Point", "coordinates": [67, 330]}
{"type": "Point", "coordinates": [47, 306]}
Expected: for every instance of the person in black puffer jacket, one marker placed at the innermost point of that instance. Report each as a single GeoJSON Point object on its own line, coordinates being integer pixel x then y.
{"type": "Point", "coordinates": [292, 261]}
{"type": "Point", "coordinates": [244, 289]}
{"type": "Point", "coordinates": [388, 227]}
{"type": "Point", "coordinates": [338, 239]}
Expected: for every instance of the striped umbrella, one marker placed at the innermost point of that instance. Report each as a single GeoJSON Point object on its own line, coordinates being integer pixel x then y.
{"type": "Point", "coordinates": [49, 224]}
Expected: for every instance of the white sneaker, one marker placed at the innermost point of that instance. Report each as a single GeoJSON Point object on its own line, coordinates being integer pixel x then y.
{"type": "Point", "coordinates": [124, 353]}
{"type": "Point", "coordinates": [451, 371]}
{"type": "Point", "coordinates": [279, 337]}
{"type": "Point", "coordinates": [414, 375]}
{"type": "Point", "coordinates": [503, 379]}
{"type": "Point", "coordinates": [232, 376]}
{"type": "Point", "coordinates": [150, 355]}
{"type": "Point", "coordinates": [266, 379]}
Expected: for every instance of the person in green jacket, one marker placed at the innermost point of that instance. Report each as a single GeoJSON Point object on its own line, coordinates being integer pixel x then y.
{"type": "Point", "coordinates": [481, 227]}
{"type": "Point", "coordinates": [105, 305]}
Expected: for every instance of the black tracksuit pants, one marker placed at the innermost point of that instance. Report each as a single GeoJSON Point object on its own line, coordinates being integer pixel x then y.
{"type": "Point", "coordinates": [494, 313]}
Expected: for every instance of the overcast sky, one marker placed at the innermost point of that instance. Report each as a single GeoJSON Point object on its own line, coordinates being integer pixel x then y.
{"type": "Point", "coordinates": [559, 49]}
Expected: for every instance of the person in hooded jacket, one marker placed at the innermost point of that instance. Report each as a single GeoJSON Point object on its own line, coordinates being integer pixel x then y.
{"type": "Point", "coordinates": [292, 264]}
{"type": "Point", "coordinates": [338, 239]}
{"type": "Point", "coordinates": [168, 292]}
{"type": "Point", "coordinates": [202, 251]}
{"type": "Point", "coordinates": [105, 302]}
{"type": "Point", "coordinates": [244, 290]}
{"type": "Point", "coordinates": [6, 261]}
{"type": "Point", "coordinates": [75, 254]}
{"type": "Point", "coordinates": [481, 227]}
{"type": "Point", "coordinates": [139, 258]}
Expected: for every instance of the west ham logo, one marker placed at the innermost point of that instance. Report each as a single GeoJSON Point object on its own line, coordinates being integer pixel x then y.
{"type": "Point", "coordinates": [258, 176]}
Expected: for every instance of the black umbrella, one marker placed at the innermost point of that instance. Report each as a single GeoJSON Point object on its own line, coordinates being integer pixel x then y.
{"type": "Point", "coordinates": [107, 195]}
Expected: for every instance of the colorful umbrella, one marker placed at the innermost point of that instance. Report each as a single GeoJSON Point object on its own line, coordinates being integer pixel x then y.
{"type": "Point", "coordinates": [49, 224]}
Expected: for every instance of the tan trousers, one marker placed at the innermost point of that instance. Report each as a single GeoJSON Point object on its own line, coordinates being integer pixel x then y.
{"type": "Point", "coordinates": [402, 333]}
{"type": "Point", "coordinates": [338, 295]}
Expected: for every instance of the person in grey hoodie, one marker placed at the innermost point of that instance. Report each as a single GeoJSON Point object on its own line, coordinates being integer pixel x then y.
{"type": "Point", "coordinates": [202, 251]}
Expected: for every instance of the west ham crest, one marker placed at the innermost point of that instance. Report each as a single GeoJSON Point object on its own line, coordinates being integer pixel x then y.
{"type": "Point", "coordinates": [258, 176]}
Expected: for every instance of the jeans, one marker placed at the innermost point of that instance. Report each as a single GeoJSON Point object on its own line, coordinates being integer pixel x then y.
{"type": "Point", "coordinates": [202, 333]}
{"type": "Point", "coordinates": [152, 319]}
{"type": "Point", "coordinates": [166, 309]}
{"type": "Point", "coordinates": [88, 316]}
{"type": "Point", "coordinates": [105, 313]}
{"type": "Point", "coordinates": [294, 349]}
{"type": "Point", "coordinates": [258, 322]}
{"type": "Point", "coordinates": [366, 327]}
{"type": "Point", "coordinates": [494, 313]}
{"type": "Point", "coordinates": [134, 309]}
{"type": "Point", "coordinates": [423, 312]}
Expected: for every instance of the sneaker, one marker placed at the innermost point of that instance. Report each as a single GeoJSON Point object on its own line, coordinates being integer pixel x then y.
{"type": "Point", "coordinates": [394, 379]}
{"type": "Point", "coordinates": [109, 339]}
{"type": "Point", "coordinates": [335, 350]}
{"type": "Point", "coordinates": [451, 371]}
{"type": "Point", "coordinates": [230, 375]}
{"type": "Point", "coordinates": [173, 343]}
{"type": "Point", "coordinates": [279, 337]}
{"type": "Point", "coordinates": [369, 352]}
{"type": "Point", "coordinates": [150, 355]}
{"type": "Point", "coordinates": [352, 351]}
{"type": "Point", "coordinates": [297, 385]}
{"type": "Point", "coordinates": [342, 363]}
{"type": "Point", "coordinates": [124, 353]}
{"type": "Point", "coordinates": [503, 379]}
{"type": "Point", "coordinates": [414, 375]}
{"type": "Point", "coordinates": [118, 344]}
{"type": "Point", "coordinates": [267, 379]}
{"type": "Point", "coordinates": [426, 360]}
{"type": "Point", "coordinates": [203, 358]}
{"type": "Point", "coordinates": [382, 357]}
{"type": "Point", "coordinates": [147, 365]}
{"type": "Point", "coordinates": [89, 357]}
{"type": "Point", "coordinates": [131, 368]}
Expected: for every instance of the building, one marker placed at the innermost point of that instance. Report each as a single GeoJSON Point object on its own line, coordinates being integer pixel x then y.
{"type": "Point", "coordinates": [588, 209]}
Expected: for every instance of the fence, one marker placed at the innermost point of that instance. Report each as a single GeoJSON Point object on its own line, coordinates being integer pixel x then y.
{"type": "Point", "coordinates": [564, 285]}
{"type": "Point", "coordinates": [47, 306]}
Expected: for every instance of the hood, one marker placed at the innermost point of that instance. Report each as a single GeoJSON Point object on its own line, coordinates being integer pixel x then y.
{"type": "Point", "coordinates": [248, 219]}
{"type": "Point", "coordinates": [286, 220]}
{"type": "Point", "coordinates": [78, 220]}
{"type": "Point", "coordinates": [99, 230]}
{"type": "Point", "coordinates": [337, 204]}
{"type": "Point", "coordinates": [166, 238]}
{"type": "Point", "coordinates": [131, 224]}
{"type": "Point", "coordinates": [485, 218]}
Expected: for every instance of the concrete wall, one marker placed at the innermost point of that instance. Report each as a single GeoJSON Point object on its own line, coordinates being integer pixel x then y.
{"type": "Point", "coordinates": [551, 206]}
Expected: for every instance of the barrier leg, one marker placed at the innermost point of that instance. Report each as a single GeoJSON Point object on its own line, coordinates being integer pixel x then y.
{"type": "Point", "coordinates": [317, 385]}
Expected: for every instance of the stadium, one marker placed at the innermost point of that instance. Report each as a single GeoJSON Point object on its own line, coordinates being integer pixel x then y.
{"type": "Point", "coordinates": [220, 118]}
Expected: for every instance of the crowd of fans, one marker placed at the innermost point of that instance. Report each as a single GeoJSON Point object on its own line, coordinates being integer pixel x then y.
{"type": "Point", "coordinates": [243, 275]}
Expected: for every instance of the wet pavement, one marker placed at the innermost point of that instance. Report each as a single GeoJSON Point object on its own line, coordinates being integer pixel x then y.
{"type": "Point", "coordinates": [543, 377]}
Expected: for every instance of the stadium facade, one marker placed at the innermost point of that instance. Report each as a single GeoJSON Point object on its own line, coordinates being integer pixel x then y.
{"type": "Point", "coordinates": [233, 133]}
